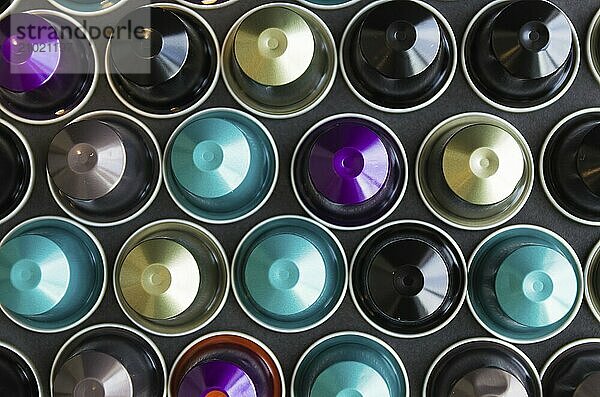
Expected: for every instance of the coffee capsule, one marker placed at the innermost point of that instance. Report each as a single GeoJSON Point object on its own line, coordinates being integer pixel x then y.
{"type": "Point", "coordinates": [18, 377]}
{"type": "Point", "coordinates": [221, 165]}
{"type": "Point", "coordinates": [52, 274]}
{"type": "Point", "coordinates": [349, 171]}
{"type": "Point", "coordinates": [593, 46]}
{"type": "Point", "coordinates": [398, 55]}
{"type": "Point", "coordinates": [279, 60]}
{"type": "Point", "coordinates": [109, 360]}
{"type": "Point", "coordinates": [104, 168]}
{"type": "Point", "coordinates": [16, 171]}
{"type": "Point", "coordinates": [525, 284]}
{"type": "Point", "coordinates": [482, 367]}
{"type": "Point", "coordinates": [350, 364]}
{"type": "Point", "coordinates": [289, 274]}
{"type": "Point", "coordinates": [87, 7]}
{"type": "Point", "coordinates": [521, 55]}
{"type": "Point", "coordinates": [475, 171]}
{"type": "Point", "coordinates": [408, 279]}
{"type": "Point", "coordinates": [207, 4]}
{"type": "Point", "coordinates": [171, 278]}
{"type": "Point", "coordinates": [168, 65]}
{"type": "Point", "coordinates": [328, 4]}
{"type": "Point", "coordinates": [49, 70]}
{"type": "Point", "coordinates": [226, 364]}
{"type": "Point", "coordinates": [574, 370]}
{"type": "Point", "coordinates": [568, 162]}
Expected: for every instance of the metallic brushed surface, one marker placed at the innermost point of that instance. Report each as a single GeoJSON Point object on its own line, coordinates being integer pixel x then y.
{"type": "Point", "coordinates": [536, 286]}
{"type": "Point", "coordinates": [350, 378]}
{"type": "Point", "coordinates": [159, 278]}
{"type": "Point", "coordinates": [274, 46]}
{"type": "Point", "coordinates": [93, 374]}
{"type": "Point", "coordinates": [87, 159]}
{"type": "Point", "coordinates": [489, 382]}
{"type": "Point", "coordinates": [217, 378]}
{"type": "Point", "coordinates": [483, 164]}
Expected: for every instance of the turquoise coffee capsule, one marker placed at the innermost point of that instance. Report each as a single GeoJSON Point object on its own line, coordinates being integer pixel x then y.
{"type": "Point", "coordinates": [525, 284]}
{"type": "Point", "coordinates": [289, 274]}
{"type": "Point", "coordinates": [52, 274]}
{"type": "Point", "coordinates": [221, 165]}
{"type": "Point", "coordinates": [350, 364]}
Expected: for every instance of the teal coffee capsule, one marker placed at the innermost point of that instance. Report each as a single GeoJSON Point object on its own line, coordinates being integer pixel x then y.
{"type": "Point", "coordinates": [289, 274]}
{"type": "Point", "coordinates": [350, 364]}
{"type": "Point", "coordinates": [221, 165]}
{"type": "Point", "coordinates": [525, 284]}
{"type": "Point", "coordinates": [52, 274]}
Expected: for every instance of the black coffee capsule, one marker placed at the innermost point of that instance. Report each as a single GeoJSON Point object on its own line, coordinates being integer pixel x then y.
{"type": "Point", "coordinates": [16, 171]}
{"type": "Point", "coordinates": [570, 159]}
{"type": "Point", "coordinates": [399, 55]}
{"type": "Point", "coordinates": [408, 279]}
{"type": "Point", "coordinates": [165, 61]}
{"type": "Point", "coordinates": [109, 360]}
{"type": "Point", "coordinates": [104, 168]}
{"type": "Point", "coordinates": [482, 367]}
{"type": "Point", "coordinates": [573, 371]}
{"type": "Point", "coordinates": [520, 55]}
{"type": "Point", "coordinates": [18, 378]}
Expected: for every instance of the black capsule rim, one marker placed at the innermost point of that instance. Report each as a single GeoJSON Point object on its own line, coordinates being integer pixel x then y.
{"type": "Point", "coordinates": [546, 180]}
{"type": "Point", "coordinates": [453, 305]}
{"type": "Point", "coordinates": [74, 342]}
{"type": "Point", "coordinates": [512, 109]}
{"type": "Point", "coordinates": [26, 365]}
{"type": "Point", "coordinates": [28, 161]}
{"type": "Point", "coordinates": [508, 355]}
{"type": "Point", "coordinates": [453, 49]}
{"type": "Point", "coordinates": [569, 352]}
{"type": "Point", "coordinates": [148, 199]}
{"type": "Point", "coordinates": [84, 99]}
{"type": "Point", "coordinates": [197, 102]}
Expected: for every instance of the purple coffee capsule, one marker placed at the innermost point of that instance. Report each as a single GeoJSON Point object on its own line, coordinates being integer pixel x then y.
{"type": "Point", "coordinates": [47, 68]}
{"type": "Point", "coordinates": [349, 171]}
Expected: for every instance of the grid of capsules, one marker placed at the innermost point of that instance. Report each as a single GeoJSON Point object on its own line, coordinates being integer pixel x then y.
{"type": "Point", "coordinates": [523, 284]}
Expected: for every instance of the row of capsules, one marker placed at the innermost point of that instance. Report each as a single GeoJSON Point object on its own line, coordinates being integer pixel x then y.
{"type": "Point", "coordinates": [284, 274]}
{"type": "Point", "coordinates": [280, 60]}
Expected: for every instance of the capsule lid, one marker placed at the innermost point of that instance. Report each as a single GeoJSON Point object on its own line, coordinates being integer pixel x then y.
{"type": "Point", "coordinates": [274, 46]}
{"type": "Point", "coordinates": [159, 278]}
{"type": "Point", "coordinates": [93, 374]}
{"type": "Point", "coordinates": [155, 53]}
{"type": "Point", "coordinates": [489, 381]}
{"type": "Point", "coordinates": [34, 274]}
{"type": "Point", "coordinates": [532, 40]}
{"type": "Point", "coordinates": [589, 387]}
{"type": "Point", "coordinates": [87, 159]}
{"type": "Point", "coordinates": [410, 42]}
{"type": "Point", "coordinates": [211, 157]}
{"type": "Point", "coordinates": [285, 274]}
{"type": "Point", "coordinates": [23, 67]}
{"type": "Point", "coordinates": [217, 379]}
{"type": "Point", "coordinates": [483, 164]}
{"type": "Point", "coordinates": [536, 286]}
{"type": "Point", "coordinates": [349, 163]}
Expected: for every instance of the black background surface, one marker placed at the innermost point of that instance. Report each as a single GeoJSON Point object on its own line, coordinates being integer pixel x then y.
{"type": "Point", "coordinates": [411, 128]}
